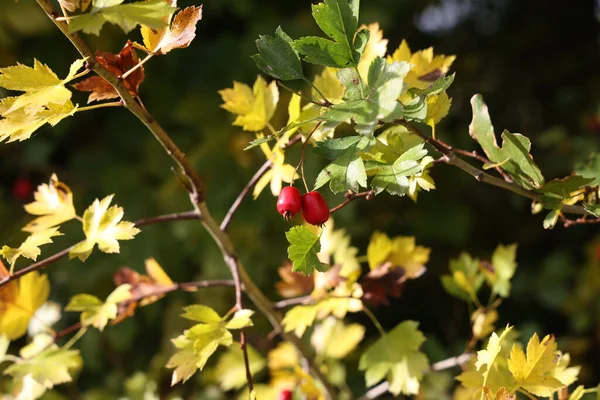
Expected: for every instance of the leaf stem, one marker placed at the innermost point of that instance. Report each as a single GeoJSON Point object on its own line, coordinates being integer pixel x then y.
{"type": "Point", "coordinates": [136, 66]}
{"type": "Point", "coordinates": [101, 105]}
{"type": "Point", "coordinates": [75, 338]}
{"type": "Point", "coordinates": [374, 320]}
{"type": "Point", "coordinates": [325, 103]}
{"type": "Point", "coordinates": [301, 163]}
{"type": "Point", "coordinates": [79, 75]}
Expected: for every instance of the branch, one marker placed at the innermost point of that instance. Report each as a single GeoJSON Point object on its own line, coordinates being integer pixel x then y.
{"type": "Point", "coordinates": [197, 195]}
{"type": "Point", "coordinates": [47, 261]}
{"type": "Point", "coordinates": [294, 301]}
{"type": "Point", "coordinates": [450, 157]}
{"type": "Point", "coordinates": [236, 204]}
{"type": "Point", "coordinates": [350, 196]}
{"type": "Point", "coordinates": [579, 221]}
{"type": "Point", "coordinates": [383, 387]}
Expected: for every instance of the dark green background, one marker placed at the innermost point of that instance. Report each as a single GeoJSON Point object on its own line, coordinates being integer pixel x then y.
{"type": "Point", "coordinates": [536, 65]}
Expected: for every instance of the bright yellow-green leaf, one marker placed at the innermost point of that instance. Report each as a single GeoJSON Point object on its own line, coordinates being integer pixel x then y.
{"type": "Point", "coordinates": [280, 171]}
{"type": "Point", "coordinates": [334, 339]}
{"type": "Point", "coordinates": [376, 47]}
{"type": "Point", "coordinates": [337, 250]}
{"type": "Point", "coordinates": [401, 251]}
{"type": "Point", "coordinates": [488, 356]}
{"type": "Point", "coordinates": [103, 225]}
{"type": "Point", "coordinates": [403, 367]}
{"type": "Point", "coordinates": [261, 391]}
{"type": "Point", "coordinates": [421, 180]}
{"type": "Point", "coordinates": [96, 313]}
{"type": "Point", "coordinates": [328, 84]}
{"type": "Point", "coordinates": [425, 67]}
{"type": "Point", "coordinates": [53, 203]}
{"type": "Point", "coordinates": [504, 267]}
{"type": "Point", "coordinates": [240, 319]}
{"type": "Point", "coordinates": [231, 371]}
{"type": "Point", "coordinates": [283, 356]}
{"type": "Point", "coordinates": [30, 248]}
{"type": "Point", "coordinates": [567, 375]}
{"type": "Point", "coordinates": [299, 318]}
{"type": "Point", "coordinates": [482, 322]}
{"type": "Point", "coordinates": [18, 125]}
{"type": "Point", "coordinates": [255, 107]}
{"type": "Point", "coordinates": [19, 300]}
{"type": "Point", "coordinates": [201, 313]}
{"type": "Point", "coordinates": [501, 394]}
{"type": "Point", "coordinates": [533, 372]}
{"type": "Point", "coordinates": [437, 108]}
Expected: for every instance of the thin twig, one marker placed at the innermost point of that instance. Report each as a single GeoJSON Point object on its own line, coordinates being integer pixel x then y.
{"type": "Point", "coordinates": [383, 387]}
{"type": "Point", "coordinates": [294, 301]}
{"type": "Point", "coordinates": [101, 105]}
{"type": "Point", "coordinates": [351, 196]}
{"type": "Point", "coordinates": [579, 221]}
{"type": "Point", "coordinates": [136, 66]}
{"type": "Point", "coordinates": [238, 201]}
{"type": "Point", "coordinates": [49, 260]}
{"type": "Point", "coordinates": [289, 89]}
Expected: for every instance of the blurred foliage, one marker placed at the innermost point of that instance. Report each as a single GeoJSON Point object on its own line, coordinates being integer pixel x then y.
{"type": "Point", "coordinates": [538, 77]}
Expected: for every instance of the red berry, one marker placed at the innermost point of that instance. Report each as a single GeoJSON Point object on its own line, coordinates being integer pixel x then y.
{"type": "Point", "coordinates": [314, 208]}
{"type": "Point", "coordinates": [22, 189]}
{"type": "Point", "coordinates": [289, 202]}
{"type": "Point", "coordinates": [285, 395]}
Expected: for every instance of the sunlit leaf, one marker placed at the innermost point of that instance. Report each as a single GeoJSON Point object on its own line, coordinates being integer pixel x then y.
{"type": "Point", "coordinates": [177, 35]}
{"type": "Point", "coordinates": [303, 249]}
{"type": "Point", "coordinates": [53, 204]}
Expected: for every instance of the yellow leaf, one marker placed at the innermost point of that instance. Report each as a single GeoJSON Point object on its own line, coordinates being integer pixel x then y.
{"type": "Point", "coordinates": [328, 84]}
{"type": "Point", "coordinates": [426, 67]}
{"type": "Point", "coordinates": [179, 34]}
{"type": "Point", "coordinates": [334, 339]}
{"type": "Point", "coordinates": [421, 180]}
{"type": "Point", "coordinates": [437, 108]}
{"type": "Point", "coordinates": [279, 173]}
{"type": "Point", "coordinates": [30, 248]}
{"type": "Point", "coordinates": [53, 203]}
{"type": "Point", "coordinates": [567, 375]}
{"type": "Point", "coordinates": [18, 125]}
{"type": "Point", "coordinates": [401, 251]}
{"type": "Point", "coordinates": [501, 394]}
{"type": "Point", "coordinates": [533, 372]}
{"type": "Point", "coordinates": [488, 356]}
{"type": "Point", "coordinates": [307, 385]}
{"type": "Point", "coordinates": [103, 225]}
{"type": "Point", "coordinates": [96, 313]}
{"type": "Point", "coordinates": [376, 47]}
{"type": "Point", "coordinates": [19, 300]}
{"type": "Point", "coordinates": [230, 370]}
{"type": "Point", "coordinates": [283, 356]}
{"type": "Point", "coordinates": [255, 107]}
{"type": "Point", "coordinates": [483, 322]}
{"type": "Point", "coordinates": [336, 244]}
{"type": "Point", "coordinates": [299, 318]}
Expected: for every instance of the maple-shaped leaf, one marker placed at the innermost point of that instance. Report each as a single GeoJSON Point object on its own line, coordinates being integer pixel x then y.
{"type": "Point", "coordinates": [513, 156]}
{"type": "Point", "coordinates": [19, 300]}
{"type": "Point", "coordinates": [565, 374]}
{"type": "Point", "coordinates": [96, 313]}
{"type": "Point", "coordinates": [279, 172]}
{"type": "Point", "coordinates": [41, 86]}
{"type": "Point", "coordinates": [30, 248]}
{"type": "Point", "coordinates": [370, 104]}
{"type": "Point", "coordinates": [303, 249]}
{"type": "Point", "coordinates": [254, 107]}
{"type": "Point", "coordinates": [103, 226]}
{"type": "Point", "coordinates": [339, 20]}
{"type": "Point", "coordinates": [347, 171]}
{"type": "Point", "coordinates": [533, 371]}
{"type": "Point", "coordinates": [400, 251]}
{"type": "Point", "coordinates": [395, 177]}
{"type": "Point", "coordinates": [334, 339]}
{"type": "Point", "coordinates": [404, 366]}
{"type": "Point", "coordinates": [293, 284]}
{"type": "Point", "coordinates": [501, 394]}
{"type": "Point", "coordinates": [488, 356]}
{"type": "Point", "coordinates": [376, 47]}
{"type": "Point", "coordinates": [299, 318]}
{"type": "Point", "coordinates": [178, 35]}
{"type": "Point", "coordinates": [465, 279]}
{"type": "Point", "coordinates": [438, 107]}
{"type": "Point", "coordinates": [151, 13]}
{"type": "Point", "coordinates": [383, 283]}
{"type": "Point", "coordinates": [231, 371]}
{"type": "Point", "coordinates": [199, 342]}
{"type": "Point", "coordinates": [18, 125]}
{"type": "Point", "coordinates": [118, 64]}
{"type": "Point", "coordinates": [45, 363]}
{"type": "Point", "coordinates": [425, 67]}
{"type": "Point", "coordinates": [142, 287]}
{"type": "Point", "coordinates": [53, 203]}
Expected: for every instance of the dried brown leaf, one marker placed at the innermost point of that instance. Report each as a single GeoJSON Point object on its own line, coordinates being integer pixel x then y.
{"type": "Point", "coordinates": [293, 284]}
{"type": "Point", "coordinates": [381, 283]}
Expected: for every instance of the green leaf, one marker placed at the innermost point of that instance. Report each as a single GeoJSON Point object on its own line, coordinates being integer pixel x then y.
{"type": "Point", "coordinates": [590, 169]}
{"type": "Point", "coordinates": [153, 13]}
{"type": "Point", "coordinates": [200, 313]}
{"type": "Point", "coordinates": [241, 319]}
{"type": "Point", "coordinates": [551, 218]}
{"type": "Point", "coordinates": [593, 209]}
{"type": "Point", "coordinates": [416, 110]}
{"type": "Point", "coordinates": [339, 20]}
{"type": "Point", "coordinates": [504, 266]}
{"type": "Point", "coordinates": [347, 171]}
{"type": "Point", "coordinates": [394, 178]}
{"type": "Point", "coordinates": [514, 153]}
{"type": "Point", "coordinates": [277, 57]}
{"type": "Point", "coordinates": [562, 188]}
{"type": "Point", "coordinates": [96, 313]}
{"type": "Point", "coordinates": [303, 249]}
{"type": "Point", "coordinates": [397, 357]}
{"type": "Point", "coordinates": [231, 371]}
{"type": "Point", "coordinates": [465, 279]}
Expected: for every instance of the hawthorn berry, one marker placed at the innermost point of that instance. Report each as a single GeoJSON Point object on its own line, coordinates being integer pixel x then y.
{"type": "Point", "coordinates": [314, 208]}
{"type": "Point", "coordinates": [289, 202]}
{"type": "Point", "coordinates": [22, 189]}
{"type": "Point", "coordinates": [285, 395]}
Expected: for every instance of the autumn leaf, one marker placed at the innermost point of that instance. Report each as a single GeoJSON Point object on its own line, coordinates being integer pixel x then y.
{"type": "Point", "coordinates": [482, 322]}
{"type": "Point", "coordinates": [279, 172]}
{"type": "Point", "coordinates": [19, 300]}
{"type": "Point", "coordinates": [383, 283]}
{"type": "Point", "coordinates": [299, 318]}
{"type": "Point", "coordinates": [503, 267]}
{"type": "Point", "coordinates": [53, 203]}
{"type": "Point", "coordinates": [400, 251]}
{"type": "Point", "coordinates": [376, 47]}
{"type": "Point", "coordinates": [30, 248]}
{"type": "Point", "coordinates": [334, 339]}
{"type": "Point", "coordinates": [425, 67]}
{"type": "Point", "coordinates": [254, 107]}
{"type": "Point", "coordinates": [438, 107]}
{"type": "Point", "coordinates": [178, 35]}
{"type": "Point", "coordinates": [103, 226]}
{"type": "Point", "coordinates": [96, 313]}
{"type": "Point", "coordinates": [118, 64]}
{"type": "Point", "coordinates": [199, 342]}
{"type": "Point", "coordinates": [230, 369]}
{"type": "Point", "coordinates": [421, 180]}
{"type": "Point", "coordinates": [501, 394]}
{"type": "Point", "coordinates": [533, 371]}
{"type": "Point", "coordinates": [292, 284]}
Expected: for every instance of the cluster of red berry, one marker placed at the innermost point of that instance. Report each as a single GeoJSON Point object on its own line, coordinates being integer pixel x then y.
{"type": "Point", "coordinates": [314, 207]}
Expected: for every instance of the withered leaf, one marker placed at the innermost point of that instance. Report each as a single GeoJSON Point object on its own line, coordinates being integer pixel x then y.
{"type": "Point", "coordinates": [118, 64]}
{"type": "Point", "coordinates": [177, 36]}
{"type": "Point", "coordinates": [293, 284]}
{"type": "Point", "coordinates": [382, 283]}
